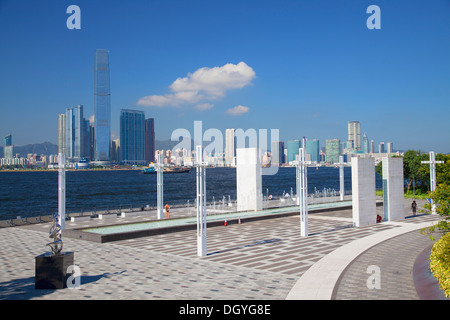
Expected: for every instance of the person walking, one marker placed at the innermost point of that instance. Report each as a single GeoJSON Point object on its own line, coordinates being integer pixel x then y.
{"type": "Point", "coordinates": [167, 208]}
{"type": "Point", "coordinates": [414, 207]}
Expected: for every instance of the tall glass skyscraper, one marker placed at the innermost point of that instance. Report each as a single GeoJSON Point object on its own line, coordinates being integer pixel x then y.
{"type": "Point", "coordinates": [77, 134]}
{"type": "Point", "coordinates": [312, 148]}
{"type": "Point", "coordinates": [366, 147]}
{"type": "Point", "coordinates": [9, 148]}
{"type": "Point", "coordinates": [132, 136]}
{"type": "Point", "coordinates": [292, 149]}
{"type": "Point", "coordinates": [102, 106]}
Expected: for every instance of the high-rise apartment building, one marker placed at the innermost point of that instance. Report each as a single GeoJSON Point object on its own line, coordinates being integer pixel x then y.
{"type": "Point", "coordinates": [132, 136]}
{"type": "Point", "coordinates": [389, 147]}
{"type": "Point", "coordinates": [9, 148]}
{"type": "Point", "coordinates": [332, 150]}
{"type": "Point", "coordinates": [354, 134]}
{"type": "Point", "coordinates": [381, 147]}
{"type": "Point", "coordinates": [230, 146]}
{"type": "Point", "coordinates": [150, 140]}
{"type": "Point", "coordinates": [102, 106]}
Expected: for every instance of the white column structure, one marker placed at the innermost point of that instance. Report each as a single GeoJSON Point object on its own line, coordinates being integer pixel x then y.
{"type": "Point", "coordinates": [62, 190]}
{"type": "Point", "coordinates": [393, 189]}
{"type": "Point", "coordinates": [363, 191]}
{"type": "Point", "coordinates": [248, 179]}
{"type": "Point", "coordinates": [302, 166]}
{"type": "Point", "coordinates": [201, 202]}
{"type": "Point", "coordinates": [159, 186]}
{"type": "Point", "coordinates": [432, 163]}
{"type": "Point", "coordinates": [341, 178]}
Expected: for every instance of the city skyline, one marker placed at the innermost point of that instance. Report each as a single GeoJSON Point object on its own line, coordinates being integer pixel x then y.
{"type": "Point", "coordinates": [306, 69]}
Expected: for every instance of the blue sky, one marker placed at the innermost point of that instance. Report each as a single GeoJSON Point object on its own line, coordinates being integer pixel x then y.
{"type": "Point", "coordinates": [308, 67]}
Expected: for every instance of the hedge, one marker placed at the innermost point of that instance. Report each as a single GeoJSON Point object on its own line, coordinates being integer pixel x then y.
{"type": "Point", "coordinates": [440, 262]}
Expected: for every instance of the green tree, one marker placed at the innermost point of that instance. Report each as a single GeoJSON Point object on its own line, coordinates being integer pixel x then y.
{"type": "Point", "coordinates": [440, 197]}
{"type": "Point", "coordinates": [414, 170]}
{"type": "Point", "coordinates": [443, 170]}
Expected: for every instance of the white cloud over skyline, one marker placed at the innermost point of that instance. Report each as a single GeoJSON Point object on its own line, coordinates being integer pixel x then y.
{"type": "Point", "coordinates": [203, 85]}
{"type": "Point", "coordinates": [238, 110]}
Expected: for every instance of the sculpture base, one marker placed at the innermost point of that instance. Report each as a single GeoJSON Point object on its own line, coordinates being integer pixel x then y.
{"type": "Point", "coordinates": [51, 270]}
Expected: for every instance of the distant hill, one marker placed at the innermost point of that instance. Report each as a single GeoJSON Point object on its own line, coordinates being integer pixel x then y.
{"type": "Point", "coordinates": [45, 148]}
{"type": "Point", "coordinates": [167, 144]}
{"type": "Point", "coordinates": [48, 148]}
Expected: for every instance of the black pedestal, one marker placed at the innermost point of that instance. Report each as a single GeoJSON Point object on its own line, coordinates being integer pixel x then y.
{"type": "Point", "coordinates": [51, 270]}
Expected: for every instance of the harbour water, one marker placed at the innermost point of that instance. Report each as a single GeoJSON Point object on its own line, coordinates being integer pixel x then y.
{"type": "Point", "coordinates": [29, 194]}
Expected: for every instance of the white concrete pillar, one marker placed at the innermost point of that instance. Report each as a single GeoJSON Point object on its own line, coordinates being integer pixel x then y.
{"type": "Point", "coordinates": [363, 191]}
{"type": "Point", "coordinates": [393, 189]}
{"type": "Point", "coordinates": [248, 179]}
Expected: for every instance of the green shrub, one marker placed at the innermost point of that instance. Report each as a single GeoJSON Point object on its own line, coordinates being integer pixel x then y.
{"type": "Point", "coordinates": [440, 262]}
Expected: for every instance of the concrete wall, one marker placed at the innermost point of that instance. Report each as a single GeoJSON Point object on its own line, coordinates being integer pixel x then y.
{"type": "Point", "coordinates": [248, 179]}
{"type": "Point", "coordinates": [393, 189]}
{"type": "Point", "coordinates": [363, 191]}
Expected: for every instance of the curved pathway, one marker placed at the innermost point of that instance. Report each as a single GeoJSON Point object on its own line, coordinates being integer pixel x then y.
{"type": "Point", "coordinates": [350, 272]}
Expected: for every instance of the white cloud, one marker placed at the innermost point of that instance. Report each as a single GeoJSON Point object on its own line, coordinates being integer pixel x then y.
{"type": "Point", "coordinates": [238, 110]}
{"type": "Point", "coordinates": [204, 106]}
{"type": "Point", "coordinates": [204, 84]}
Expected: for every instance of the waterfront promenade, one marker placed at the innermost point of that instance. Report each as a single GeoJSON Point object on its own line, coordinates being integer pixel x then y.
{"type": "Point", "coordinates": [264, 259]}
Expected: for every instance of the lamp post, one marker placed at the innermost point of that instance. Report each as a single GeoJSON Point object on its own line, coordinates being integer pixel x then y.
{"type": "Point", "coordinates": [159, 186]}
{"type": "Point", "coordinates": [201, 201]}
{"type": "Point", "coordinates": [62, 190]}
{"type": "Point", "coordinates": [302, 190]}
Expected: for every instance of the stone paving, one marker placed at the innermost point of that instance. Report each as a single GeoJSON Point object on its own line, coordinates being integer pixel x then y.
{"type": "Point", "coordinates": [395, 258]}
{"type": "Point", "coordinates": [255, 260]}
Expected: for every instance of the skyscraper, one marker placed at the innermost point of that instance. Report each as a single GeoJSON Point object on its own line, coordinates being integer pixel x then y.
{"type": "Point", "coordinates": [312, 148]}
{"type": "Point", "coordinates": [277, 149]}
{"type": "Point", "coordinates": [132, 136]}
{"type": "Point", "coordinates": [381, 147]}
{"type": "Point", "coordinates": [102, 106]}
{"type": "Point", "coordinates": [365, 143]}
{"type": "Point", "coordinates": [230, 146]}
{"type": "Point", "coordinates": [332, 150]}
{"type": "Point", "coordinates": [354, 134]}
{"type": "Point", "coordinates": [150, 140]}
{"type": "Point", "coordinates": [77, 134]}
{"type": "Point", "coordinates": [9, 148]}
{"type": "Point", "coordinates": [389, 147]}
{"type": "Point", "coordinates": [62, 133]}
{"type": "Point", "coordinates": [292, 149]}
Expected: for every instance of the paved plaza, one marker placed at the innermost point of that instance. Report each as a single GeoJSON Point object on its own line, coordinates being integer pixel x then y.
{"type": "Point", "coordinates": [262, 260]}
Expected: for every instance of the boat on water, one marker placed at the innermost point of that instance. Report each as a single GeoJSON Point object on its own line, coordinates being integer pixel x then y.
{"type": "Point", "coordinates": [177, 170]}
{"type": "Point", "coordinates": [151, 169]}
